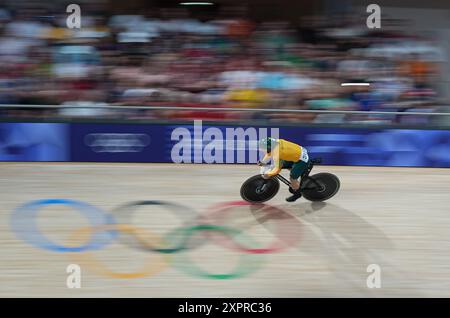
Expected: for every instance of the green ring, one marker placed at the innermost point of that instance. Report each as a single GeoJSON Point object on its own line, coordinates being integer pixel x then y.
{"type": "Point", "coordinates": [248, 263]}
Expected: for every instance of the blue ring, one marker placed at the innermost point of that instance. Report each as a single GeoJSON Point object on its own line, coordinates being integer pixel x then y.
{"type": "Point", "coordinates": [23, 222]}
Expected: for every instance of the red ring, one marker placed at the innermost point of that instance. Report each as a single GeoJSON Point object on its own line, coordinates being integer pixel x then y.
{"type": "Point", "coordinates": [286, 237]}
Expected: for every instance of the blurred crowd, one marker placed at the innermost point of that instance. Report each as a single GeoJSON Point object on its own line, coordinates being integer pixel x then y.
{"type": "Point", "coordinates": [171, 59]}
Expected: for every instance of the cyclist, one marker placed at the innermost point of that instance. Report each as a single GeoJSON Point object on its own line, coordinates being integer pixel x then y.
{"type": "Point", "coordinates": [285, 154]}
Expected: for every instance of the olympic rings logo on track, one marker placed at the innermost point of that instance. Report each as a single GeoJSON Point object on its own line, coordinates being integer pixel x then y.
{"type": "Point", "coordinates": [172, 248]}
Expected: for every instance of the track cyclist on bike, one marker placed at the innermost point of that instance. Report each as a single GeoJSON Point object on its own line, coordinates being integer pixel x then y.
{"type": "Point", "coordinates": [285, 154]}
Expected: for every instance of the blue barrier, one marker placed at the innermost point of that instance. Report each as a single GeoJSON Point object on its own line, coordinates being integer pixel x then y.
{"type": "Point", "coordinates": [88, 142]}
{"type": "Point", "coordinates": [34, 142]}
{"type": "Point", "coordinates": [388, 147]}
{"type": "Point", "coordinates": [117, 143]}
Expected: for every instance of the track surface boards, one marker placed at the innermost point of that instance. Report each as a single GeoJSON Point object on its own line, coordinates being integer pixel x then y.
{"type": "Point", "coordinates": [398, 218]}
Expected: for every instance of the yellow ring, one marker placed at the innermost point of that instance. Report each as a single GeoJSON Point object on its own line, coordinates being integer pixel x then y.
{"type": "Point", "coordinates": [149, 268]}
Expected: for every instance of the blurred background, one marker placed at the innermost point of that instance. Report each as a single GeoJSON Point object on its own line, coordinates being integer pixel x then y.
{"type": "Point", "coordinates": [258, 54]}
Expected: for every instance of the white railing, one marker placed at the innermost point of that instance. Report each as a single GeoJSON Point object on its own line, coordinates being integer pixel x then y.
{"type": "Point", "coordinates": [266, 110]}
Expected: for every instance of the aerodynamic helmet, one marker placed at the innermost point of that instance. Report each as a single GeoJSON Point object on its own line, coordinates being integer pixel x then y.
{"type": "Point", "coordinates": [267, 144]}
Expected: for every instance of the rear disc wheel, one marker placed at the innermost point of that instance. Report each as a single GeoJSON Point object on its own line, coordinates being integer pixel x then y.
{"type": "Point", "coordinates": [324, 186]}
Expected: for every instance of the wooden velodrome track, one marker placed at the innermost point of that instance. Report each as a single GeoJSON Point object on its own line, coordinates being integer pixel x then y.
{"type": "Point", "coordinates": [397, 218]}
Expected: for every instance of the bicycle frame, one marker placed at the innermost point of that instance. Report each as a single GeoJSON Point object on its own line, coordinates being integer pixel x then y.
{"type": "Point", "coordinates": [305, 176]}
{"type": "Point", "coordinates": [318, 187]}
